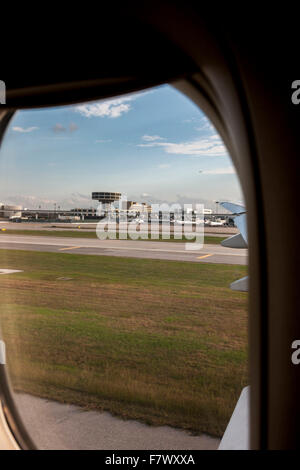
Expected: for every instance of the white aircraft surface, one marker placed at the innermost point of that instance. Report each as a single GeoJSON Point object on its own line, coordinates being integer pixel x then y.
{"type": "Point", "coordinates": [216, 223]}
{"type": "Point", "coordinates": [236, 436]}
{"type": "Point", "coordinates": [239, 240]}
{"type": "Point", "coordinates": [189, 222]}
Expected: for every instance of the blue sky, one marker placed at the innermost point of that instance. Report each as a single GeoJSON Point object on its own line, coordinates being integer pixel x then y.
{"type": "Point", "coordinates": [153, 146]}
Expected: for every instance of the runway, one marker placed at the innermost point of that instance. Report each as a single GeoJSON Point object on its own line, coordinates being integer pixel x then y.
{"type": "Point", "coordinates": [125, 248]}
{"type": "Point", "coordinates": [88, 227]}
{"type": "Point", "coordinates": [67, 427]}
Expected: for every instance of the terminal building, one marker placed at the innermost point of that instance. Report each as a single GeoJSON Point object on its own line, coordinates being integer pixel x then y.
{"type": "Point", "coordinates": [112, 204]}
{"type": "Point", "coordinates": [108, 200]}
{"type": "Point", "coordinates": [81, 213]}
{"type": "Point", "coordinates": [8, 211]}
{"type": "Point", "coordinates": [133, 207]}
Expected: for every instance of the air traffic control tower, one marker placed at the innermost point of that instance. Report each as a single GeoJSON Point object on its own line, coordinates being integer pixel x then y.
{"type": "Point", "coordinates": [106, 198]}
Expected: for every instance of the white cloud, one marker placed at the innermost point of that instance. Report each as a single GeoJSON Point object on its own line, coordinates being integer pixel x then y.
{"type": "Point", "coordinates": [23, 129]}
{"type": "Point", "coordinates": [194, 119]}
{"type": "Point", "coordinates": [205, 125]}
{"type": "Point", "coordinates": [76, 200]}
{"type": "Point", "coordinates": [151, 138]}
{"type": "Point", "coordinates": [64, 201]}
{"type": "Point", "coordinates": [202, 123]}
{"type": "Point", "coordinates": [208, 146]}
{"type": "Point", "coordinates": [111, 108]}
{"type": "Point", "coordinates": [31, 202]}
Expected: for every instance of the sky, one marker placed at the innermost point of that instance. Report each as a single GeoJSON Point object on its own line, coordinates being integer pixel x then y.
{"type": "Point", "coordinates": [153, 146]}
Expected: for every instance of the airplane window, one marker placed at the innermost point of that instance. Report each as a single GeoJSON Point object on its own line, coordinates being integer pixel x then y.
{"type": "Point", "coordinates": [123, 299]}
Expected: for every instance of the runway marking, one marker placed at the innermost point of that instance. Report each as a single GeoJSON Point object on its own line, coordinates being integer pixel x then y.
{"type": "Point", "coordinates": [69, 248]}
{"type": "Point", "coordinates": [205, 256]}
{"type": "Point", "coordinates": [62, 242]}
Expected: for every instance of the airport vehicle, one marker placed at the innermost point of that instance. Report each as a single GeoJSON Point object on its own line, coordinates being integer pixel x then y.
{"type": "Point", "coordinates": [243, 82]}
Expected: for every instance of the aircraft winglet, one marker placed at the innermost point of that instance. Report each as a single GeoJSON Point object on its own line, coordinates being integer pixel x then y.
{"type": "Point", "coordinates": [239, 240]}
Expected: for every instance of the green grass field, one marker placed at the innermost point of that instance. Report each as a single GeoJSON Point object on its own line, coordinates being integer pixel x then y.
{"type": "Point", "coordinates": [209, 239]}
{"type": "Point", "coordinates": [163, 342]}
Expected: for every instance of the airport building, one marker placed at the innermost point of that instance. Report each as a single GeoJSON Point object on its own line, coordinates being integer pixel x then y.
{"type": "Point", "coordinates": [112, 204]}
{"type": "Point", "coordinates": [136, 207]}
{"type": "Point", "coordinates": [130, 207]}
{"type": "Point", "coordinates": [8, 211]}
{"type": "Point", "coordinates": [106, 198]}
{"type": "Point", "coordinates": [82, 213]}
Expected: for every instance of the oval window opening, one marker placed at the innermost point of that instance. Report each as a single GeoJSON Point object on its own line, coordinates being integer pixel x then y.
{"type": "Point", "coordinates": [118, 322]}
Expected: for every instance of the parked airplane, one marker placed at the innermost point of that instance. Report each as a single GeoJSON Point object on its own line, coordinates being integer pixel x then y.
{"type": "Point", "coordinates": [216, 223]}
{"type": "Point", "coordinates": [189, 222]}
